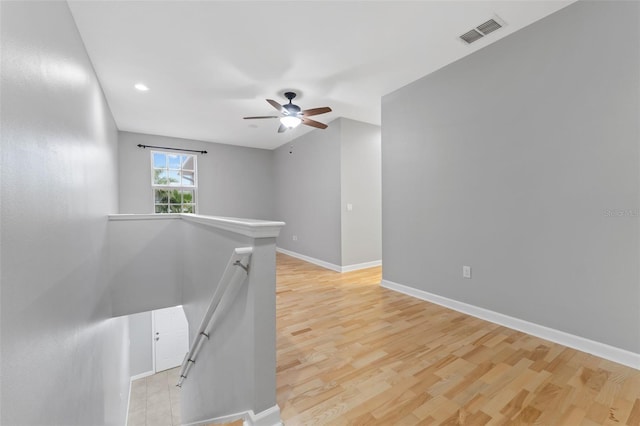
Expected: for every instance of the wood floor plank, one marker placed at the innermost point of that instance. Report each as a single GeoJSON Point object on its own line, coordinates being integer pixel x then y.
{"type": "Point", "coordinates": [353, 353]}
{"type": "Point", "coordinates": [634, 416]}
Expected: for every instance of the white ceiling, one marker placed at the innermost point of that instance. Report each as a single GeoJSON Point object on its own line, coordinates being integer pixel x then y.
{"type": "Point", "coordinates": [209, 63]}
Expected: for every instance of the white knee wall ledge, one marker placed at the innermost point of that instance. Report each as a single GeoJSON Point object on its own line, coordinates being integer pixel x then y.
{"type": "Point", "coordinates": [248, 227]}
{"type": "Point", "coordinates": [602, 350]}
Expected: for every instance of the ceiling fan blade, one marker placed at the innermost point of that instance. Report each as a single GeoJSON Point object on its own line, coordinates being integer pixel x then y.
{"type": "Point", "coordinates": [315, 111]}
{"type": "Point", "coordinates": [261, 116]}
{"type": "Point", "coordinates": [282, 128]}
{"type": "Point", "coordinates": [275, 105]}
{"type": "Point", "coordinates": [313, 123]}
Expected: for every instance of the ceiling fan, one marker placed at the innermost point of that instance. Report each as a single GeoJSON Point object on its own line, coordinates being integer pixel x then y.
{"type": "Point", "coordinates": [291, 115]}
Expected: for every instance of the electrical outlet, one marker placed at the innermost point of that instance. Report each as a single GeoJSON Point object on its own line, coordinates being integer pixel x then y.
{"type": "Point", "coordinates": [466, 272]}
{"type": "Point", "coordinates": [295, 238]}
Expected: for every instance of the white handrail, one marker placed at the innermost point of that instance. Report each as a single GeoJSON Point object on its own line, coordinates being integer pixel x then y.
{"type": "Point", "coordinates": [228, 277]}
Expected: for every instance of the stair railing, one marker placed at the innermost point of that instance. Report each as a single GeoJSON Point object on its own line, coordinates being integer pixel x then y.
{"type": "Point", "coordinates": [229, 277]}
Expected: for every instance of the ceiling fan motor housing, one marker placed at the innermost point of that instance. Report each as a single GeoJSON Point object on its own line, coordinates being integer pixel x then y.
{"type": "Point", "coordinates": [291, 109]}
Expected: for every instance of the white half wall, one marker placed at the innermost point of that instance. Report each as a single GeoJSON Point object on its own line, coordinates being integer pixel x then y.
{"type": "Point", "coordinates": [243, 337]}
{"type": "Point", "coordinates": [234, 371]}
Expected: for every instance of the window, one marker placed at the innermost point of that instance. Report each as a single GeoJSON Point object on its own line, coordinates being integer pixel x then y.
{"type": "Point", "coordinates": [174, 182]}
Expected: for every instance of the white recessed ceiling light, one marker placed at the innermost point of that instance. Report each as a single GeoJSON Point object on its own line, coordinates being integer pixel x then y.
{"type": "Point", "coordinates": [141, 87]}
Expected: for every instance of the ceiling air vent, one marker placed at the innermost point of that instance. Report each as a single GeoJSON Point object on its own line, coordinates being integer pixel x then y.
{"type": "Point", "coordinates": [482, 30]}
{"type": "Point", "coordinates": [471, 36]}
{"type": "Point", "coordinates": [488, 27]}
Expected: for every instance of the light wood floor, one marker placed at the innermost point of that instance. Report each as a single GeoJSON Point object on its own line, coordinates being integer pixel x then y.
{"type": "Point", "coordinates": [351, 352]}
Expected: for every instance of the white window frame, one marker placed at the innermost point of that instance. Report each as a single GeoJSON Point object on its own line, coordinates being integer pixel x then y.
{"type": "Point", "coordinates": [155, 186]}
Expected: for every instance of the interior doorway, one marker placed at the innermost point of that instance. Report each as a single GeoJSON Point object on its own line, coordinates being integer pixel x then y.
{"type": "Point", "coordinates": [170, 337]}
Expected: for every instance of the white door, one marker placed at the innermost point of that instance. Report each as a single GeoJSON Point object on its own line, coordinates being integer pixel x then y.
{"type": "Point", "coordinates": [170, 337]}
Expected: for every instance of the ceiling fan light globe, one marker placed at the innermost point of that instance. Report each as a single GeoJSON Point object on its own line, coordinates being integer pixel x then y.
{"type": "Point", "coordinates": [290, 122]}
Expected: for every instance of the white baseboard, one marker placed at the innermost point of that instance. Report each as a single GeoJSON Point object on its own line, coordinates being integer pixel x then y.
{"type": "Point", "coordinates": [126, 416]}
{"type": "Point", "coordinates": [142, 375]}
{"type": "Point", "coordinates": [327, 265]}
{"type": "Point", "coordinates": [601, 350]}
{"type": "Point", "coordinates": [310, 259]}
{"type": "Point", "coordinates": [222, 419]}
{"type": "Point", "coordinates": [358, 266]}
{"type": "Point", "coordinates": [268, 417]}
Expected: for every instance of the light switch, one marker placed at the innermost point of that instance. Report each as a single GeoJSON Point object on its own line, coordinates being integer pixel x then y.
{"type": "Point", "coordinates": [349, 207]}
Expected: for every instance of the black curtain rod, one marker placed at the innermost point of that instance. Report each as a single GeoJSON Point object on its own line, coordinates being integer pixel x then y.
{"type": "Point", "coordinates": [172, 149]}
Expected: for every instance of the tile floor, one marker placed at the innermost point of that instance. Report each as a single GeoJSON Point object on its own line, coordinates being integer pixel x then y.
{"type": "Point", "coordinates": [155, 400]}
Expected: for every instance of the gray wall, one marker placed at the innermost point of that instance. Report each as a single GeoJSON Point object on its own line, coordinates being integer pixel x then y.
{"type": "Point", "coordinates": [316, 175]}
{"type": "Point", "coordinates": [145, 264]}
{"type": "Point", "coordinates": [232, 181]}
{"type": "Point", "coordinates": [64, 360]}
{"type": "Point", "coordinates": [509, 161]}
{"type": "Point", "coordinates": [141, 349]}
{"type": "Point", "coordinates": [361, 187]}
{"type": "Point", "coordinates": [307, 182]}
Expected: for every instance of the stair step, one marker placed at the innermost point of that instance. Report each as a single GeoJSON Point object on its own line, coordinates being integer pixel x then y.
{"type": "Point", "coordinates": [236, 423]}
